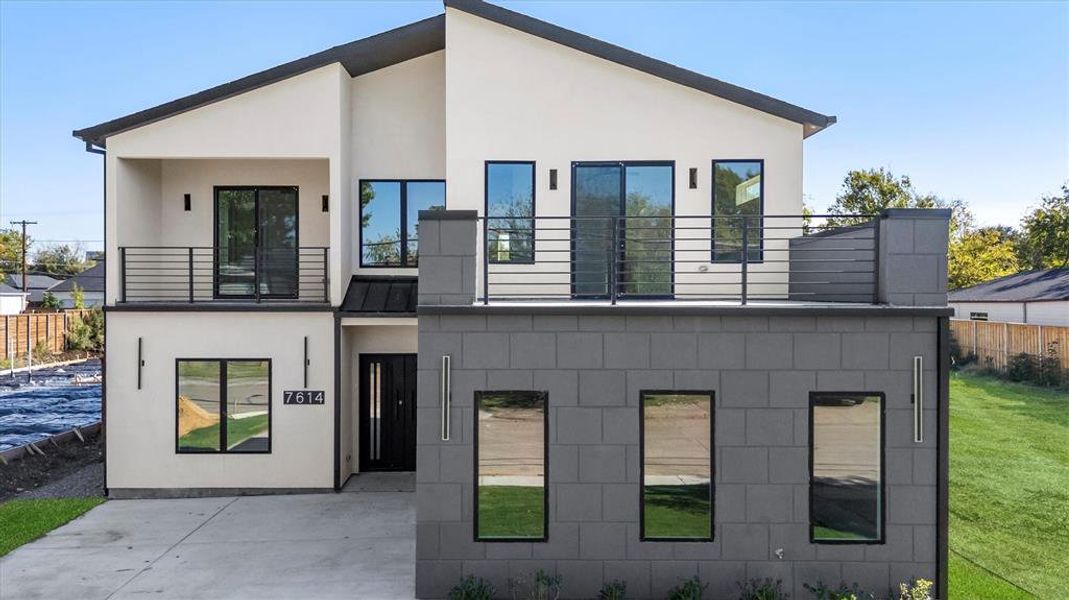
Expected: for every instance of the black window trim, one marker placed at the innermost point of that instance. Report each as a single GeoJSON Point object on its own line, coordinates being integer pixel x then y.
{"type": "Point", "coordinates": [256, 189]}
{"type": "Point", "coordinates": [813, 396]}
{"type": "Point", "coordinates": [642, 465]}
{"type": "Point", "coordinates": [404, 221]}
{"type": "Point", "coordinates": [545, 469]}
{"type": "Point", "coordinates": [222, 406]}
{"type": "Point", "coordinates": [760, 218]}
{"type": "Point", "coordinates": [534, 203]}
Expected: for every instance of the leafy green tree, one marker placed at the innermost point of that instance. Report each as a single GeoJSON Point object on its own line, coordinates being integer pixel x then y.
{"type": "Point", "coordinates": [1044, 239]}
{"type": "Point", "coordinates": [11, 250]}
{"type": "Point", "coordinates": [981, 255]}
{"type": "Point", "coordinates": [87, 332]}
{"type": "Point", "coordinates": [77, 296]}
{"type": "Point", "coordinates": [61, 259]}
{"type": "Point", "coordinates": [51, 302]}
{"type": "Point", "coordinates": [869, 191]}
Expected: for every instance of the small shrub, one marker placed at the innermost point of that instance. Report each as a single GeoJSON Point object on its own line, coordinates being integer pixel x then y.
{"type": "Point", "coordinates": [691, 589]}
{"type": "Point", "coordinates": [762, 589]}
{"type": "Point", "coordinates": [918, 589]}
{"type": "Point", "coordinates": [472, 588]}
{"type": "Point", "coordinates": [50, 302]}
{"type": "Point", "coordinates": [821, 591]}
{"type": "Point", "coordinates": [87, 332]}
{"type": "Point", "coordinates": [614, 590]}
{"type": "Point", "coordinates": [540, 586]}
{"type": "Point", "coordinates": [42, 351]}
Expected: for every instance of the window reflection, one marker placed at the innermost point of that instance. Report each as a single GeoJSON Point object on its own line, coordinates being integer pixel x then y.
{"type": "Point", "coordinates": [510, 462]}
{"type": "Point", "coordinates": [847, 467]}
{"type": "Point", "coordinates": [677, 467]}
{"type": "Point", "coordinates": [510, 206]}
{"type": "Point", "coordinates": [738, 202]}
{"type": "Point", "coordinates": [247, 410]}
{"type": "Point", "coordinates": [224, 406]}
{"type": "Point", "coordinates": [389, 220]}
{"type": "Point", "coordinates": [198, 406]}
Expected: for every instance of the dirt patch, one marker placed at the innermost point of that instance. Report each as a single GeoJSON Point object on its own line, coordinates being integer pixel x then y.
{"type": "Point", "coordinates": [33, 472]}
{"type": "Point", "coordinates": [191, 416]}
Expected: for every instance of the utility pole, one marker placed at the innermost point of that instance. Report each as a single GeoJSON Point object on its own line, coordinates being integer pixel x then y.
{"type": "Point", "coordinates": [24, 223]}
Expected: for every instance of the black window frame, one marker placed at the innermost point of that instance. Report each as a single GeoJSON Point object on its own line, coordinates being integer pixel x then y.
{"type": "Point", "coordinates": [882, 539]}
{"type": "Point", "coordinates": [488, 216]}
{"type": "Point", "coordinates": [642, 464]}
{"type": "Point", "coordinates": [760, 217]}
{"type": "Point", "coordinates": [404, 221]}
{"type": "Point", "coordinates": [256, 189]}
{"type": "Point", "coordinates": [545, 470]}
{"type": "Point", "coordinates": [222, 406]}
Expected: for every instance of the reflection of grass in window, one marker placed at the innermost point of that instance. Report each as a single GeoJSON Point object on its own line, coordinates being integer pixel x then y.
{"type": "Point", "coordinates": [677, 400]}
{"type": "Point", "coordinates": [677, 511]}
{"type": "Point", "coordinates": [827, 533]}
{"type": "Point", "coordinates": [238, 430]}
{"type": "Point", "coordinates": [511, 511]}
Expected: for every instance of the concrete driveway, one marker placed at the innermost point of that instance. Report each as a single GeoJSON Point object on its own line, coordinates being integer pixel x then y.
{"type": "Point", "coordinates": [356, 544]}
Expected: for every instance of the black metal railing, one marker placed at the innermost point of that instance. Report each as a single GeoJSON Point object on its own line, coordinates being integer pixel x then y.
{"type": "Point", "coordinates": [816, 258]}
{"type": "Point", "coordinates": [192, 274]}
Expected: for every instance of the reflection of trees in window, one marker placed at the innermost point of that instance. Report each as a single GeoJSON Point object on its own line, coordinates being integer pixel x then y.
{"type": "Point", "coordinates": [389, 215]}
{"type": "Point", "coordinates": [223, 406]}
{"type": "Point", "coordinates": [737, 201]}
{"type": "Point", "coordinates": [647, 233]}
{"type": "Point", "coordinates": [510, 211]}
{"type": "Point", "coordinates": [385, 248]}
{"type": "Point", "coordinates": [677, 465]}
{"type": "Point", "coordinates": [846, 492]}
{"type": "Point", "coordinates": [510, 465]}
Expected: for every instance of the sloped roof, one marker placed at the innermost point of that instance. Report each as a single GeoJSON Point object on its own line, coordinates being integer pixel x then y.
{"type": "Point", "coordinates": [1032, 286]}
{"type": "Point", "coordinates": [34, 281]}
{"type": "Point", "coordinates": [381, 295]}
{"type": "Point", "coordinates": [7, 290]}
{"type": "Point", "coordinates": [426, 36]}
{"type": "Point", "coordinates": [90, 280]}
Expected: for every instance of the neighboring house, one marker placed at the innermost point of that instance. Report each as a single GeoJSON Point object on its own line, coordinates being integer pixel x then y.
{"type": "Point", "coordinates": [636, 367]}
{"type": "Point", "coordinates": [12, 301]}
{"type": "Point", "coordinates": [91, 281]}
{"type": "Point", "coordinates": [1040, 297]}
{"type": "Point", "coordinates": [36, 285]}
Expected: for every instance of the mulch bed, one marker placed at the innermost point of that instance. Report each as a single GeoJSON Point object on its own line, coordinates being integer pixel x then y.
{"type": "Point", "coordinates": [26, 475]}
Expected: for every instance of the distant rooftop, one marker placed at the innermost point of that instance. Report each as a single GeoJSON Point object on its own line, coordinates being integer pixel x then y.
{"type": "Point", "coordinates": [90, 280]}
{"type": "Point", "coordinates": [1031, 286]}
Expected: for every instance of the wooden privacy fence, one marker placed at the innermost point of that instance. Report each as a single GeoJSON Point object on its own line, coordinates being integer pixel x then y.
{"type": "Point", "coordinates": [43, 328]}
{"type": "Point", "coordinates": [994, 343]}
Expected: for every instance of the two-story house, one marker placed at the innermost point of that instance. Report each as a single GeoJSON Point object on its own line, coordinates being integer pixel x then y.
{"type": "Point", "coordinates": [627, 355]}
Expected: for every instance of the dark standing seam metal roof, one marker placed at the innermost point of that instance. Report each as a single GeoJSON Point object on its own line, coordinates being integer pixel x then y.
{"type": "Point", "coordinates": [426, 36]}
{"type": "Point", "coordinates": [381, 295]}
{"type": "Point", "coordinates": [1033, 286]}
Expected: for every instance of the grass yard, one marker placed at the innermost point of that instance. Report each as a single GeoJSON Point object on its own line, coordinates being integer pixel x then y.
{"type": "Point", "coordinates": [24, 520]}
{"type": "Point", "coordinates": [1009, 490]}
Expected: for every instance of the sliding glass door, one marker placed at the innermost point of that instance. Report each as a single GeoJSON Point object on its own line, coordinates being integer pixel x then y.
{"type": "Point", "coordinates": [256, 242]}
{"type": "Point", "coordinates": [622, 229]}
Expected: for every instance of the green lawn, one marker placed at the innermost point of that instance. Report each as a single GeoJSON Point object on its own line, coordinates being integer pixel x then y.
{"type": "Point", "coordinates": [23, 521]}
{"type": "Point", "coordinates": [1009, 490]}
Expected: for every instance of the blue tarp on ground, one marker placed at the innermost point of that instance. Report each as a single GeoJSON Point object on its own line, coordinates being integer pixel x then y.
{"type": "Point", "coordinates": [50, 404]}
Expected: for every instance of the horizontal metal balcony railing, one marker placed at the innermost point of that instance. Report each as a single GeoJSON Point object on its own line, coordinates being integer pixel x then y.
{"type": "Point", "coordinates": [681, 258]}
{"type": "Point", "coordinates": [197, 274]}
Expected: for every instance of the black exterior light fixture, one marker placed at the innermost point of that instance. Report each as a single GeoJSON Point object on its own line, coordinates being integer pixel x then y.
{"type": "Point", "coordinates": [188, 199]}
{"type": "Point", "coordinates": [552, 179]}
{"type": "Point", "coordinates": [326, 203]}
{"type": "Point", "coordinates": [693, 178]}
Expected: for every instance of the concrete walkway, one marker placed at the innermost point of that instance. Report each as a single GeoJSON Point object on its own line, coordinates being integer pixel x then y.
{"type": "Point", "coordinates": [356, 544]}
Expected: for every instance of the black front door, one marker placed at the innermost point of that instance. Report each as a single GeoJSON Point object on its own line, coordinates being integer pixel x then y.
{"type": "Point", "coordinates": [387, 412]}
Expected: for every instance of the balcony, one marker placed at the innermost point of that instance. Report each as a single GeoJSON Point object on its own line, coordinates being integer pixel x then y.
{"type": "Point", "coordinates": [738, 259]}
{"type": "Point", "coordinates": [199, 274]}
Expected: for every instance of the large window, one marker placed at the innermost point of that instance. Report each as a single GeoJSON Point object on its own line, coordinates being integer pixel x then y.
{"type": "Point", "coordinates": [846, 467]}
{"type": "Point", "coordinates": [389, 217]}
{"type": "Point", "coordinates": [677, 465]}
{"type": "Point", "coordinates": [738, 202]}
{"type": "Point", "coordinates": [510, 206]}
{"type": "Point", "coordinates": [511, 434]}
{"type": "Point", "coordinates": [223, 405]}
{"type": "Point", "coordinates": [256, 242]}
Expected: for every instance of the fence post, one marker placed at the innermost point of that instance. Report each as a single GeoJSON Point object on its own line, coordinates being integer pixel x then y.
{"type": "Point", "coordinates": [7, 338]}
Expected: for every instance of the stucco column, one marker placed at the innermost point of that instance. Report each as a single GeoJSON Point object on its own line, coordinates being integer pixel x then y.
{"type": "Point", "coordinates": [447, 240]}
{"type": "Point", "coordinates": [912, 261]}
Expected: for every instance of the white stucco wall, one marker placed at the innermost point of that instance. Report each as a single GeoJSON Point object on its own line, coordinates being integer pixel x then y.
{"type": "Point", "coordinates": [513, 96]}
{"type": "Point", "coordinates": [1040, 313]}
{"type": "Point", "coordinates": [12, 304]}
{"type": "Point", "coordinates": [398, 130]}
{"type": "Point", "coordinates": [141, 423]}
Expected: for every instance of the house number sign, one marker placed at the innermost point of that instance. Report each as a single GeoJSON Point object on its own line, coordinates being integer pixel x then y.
{"type": "Point", "coordinates": [303, 397]}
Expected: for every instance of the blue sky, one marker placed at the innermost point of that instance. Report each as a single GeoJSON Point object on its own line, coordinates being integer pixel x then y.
{"type": "Point", "coordinates": [969, 99]}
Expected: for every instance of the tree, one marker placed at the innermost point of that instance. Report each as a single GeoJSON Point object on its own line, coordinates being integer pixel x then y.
{"type": "Point", "coordinates": [61, 259]}
{"type": "Point", "coordinates": [50, 301]}
{"type": "Point", "coordinates": [11, 250]}
{"type": "Point", "coordinates": [1045, 233]}
{"type": "Point", "coordinates": [981, 255]}
{"type": "Point", "coordinates": [77, 296]}
{"type": "Point", "coordinates": [87, 332]}
{"type": "Point", "coordinates": [869, 191]}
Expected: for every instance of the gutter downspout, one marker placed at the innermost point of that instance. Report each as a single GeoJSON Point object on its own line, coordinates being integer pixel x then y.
{"type": "Point", "coordinates": [90, 147]}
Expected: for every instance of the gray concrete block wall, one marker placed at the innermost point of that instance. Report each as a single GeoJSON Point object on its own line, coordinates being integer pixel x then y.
{"type": "Point", "coordinates": [913, 256]}
{"type": "Point", "coordinates": [594, 367]}
{"type": "Point", "coordinates": [447, 257]}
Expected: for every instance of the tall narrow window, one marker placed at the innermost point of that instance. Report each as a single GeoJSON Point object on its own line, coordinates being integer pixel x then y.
{"type": "Point", "coordinates": [510, 202]}
{"type": "Point", "coordinates": [223, 406]}
{"type": "Point", "coordinates": [389, 219]}
{"type": "Point", "coordinates": [511, 440]}
{"type": "Point", "coordinates": [677, 465]}
{"type": "Point", "coordinates": [738, 202]}
{"type": "Point", "coordinates": [846, 467]}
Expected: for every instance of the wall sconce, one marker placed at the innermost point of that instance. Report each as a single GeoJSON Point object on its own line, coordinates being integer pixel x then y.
{"type": "Point", "coordinates": [693, 178]}
{"type": "Point", "coordinates": [326, 203]}
{"type": "Point", "coordinates": [188, 202]}
{"type": "Point", "coordinates": [446, 394]}
{"type": "Point", "coordinates": [918, 399]}
{"type": "Point", "coordinates": [552, 179]}
{"type": "Point", "coordinates": [140, 362]}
